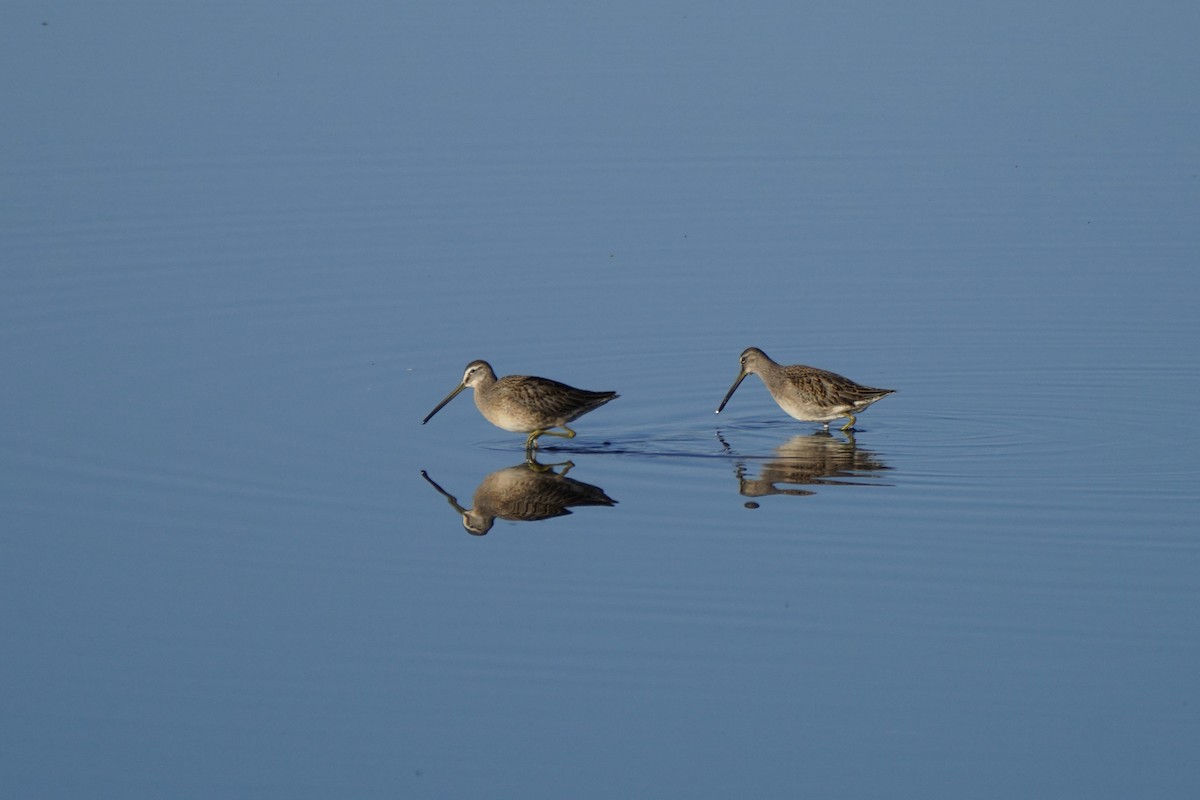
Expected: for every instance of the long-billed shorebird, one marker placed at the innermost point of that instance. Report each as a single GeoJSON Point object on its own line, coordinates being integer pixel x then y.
{"type": "Point", "coordinates": [524, 404]}
{"type": "Point", "coordinates": [807, 393]}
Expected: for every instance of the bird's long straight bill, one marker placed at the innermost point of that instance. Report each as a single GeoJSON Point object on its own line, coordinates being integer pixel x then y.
{"type": "Point", "coordinates": [440, 405]}
{"type": "Point", "coordinates": [728, 394]}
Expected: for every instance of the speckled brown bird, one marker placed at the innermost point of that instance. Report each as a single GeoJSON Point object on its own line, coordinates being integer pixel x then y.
{"type": "Point", "coordinates": [807, 393]}
{"type": "Point", "coordinates": [525, 404]}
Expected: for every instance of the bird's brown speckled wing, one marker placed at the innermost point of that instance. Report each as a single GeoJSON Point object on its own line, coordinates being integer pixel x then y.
{"type": "Point", "coordinates": [556, 400]}
{"type": "Point", "coordinates": [831, 389]}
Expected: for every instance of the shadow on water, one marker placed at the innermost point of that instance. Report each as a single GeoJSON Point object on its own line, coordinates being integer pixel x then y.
{"type": "Point", "coordinates": [814, 459]}
{"type": "Point", "coordinates": [525, 492]}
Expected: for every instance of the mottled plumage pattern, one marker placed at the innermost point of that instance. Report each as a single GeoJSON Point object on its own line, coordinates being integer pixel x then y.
{"type": "Point", "coordinates": [827, 391]}
{"type": "Point", "coordinates": [806, 393]}
{"type": "Point", "coordinates": [524, 404]}
{"type": "Point", "coordinates": [527, 403]}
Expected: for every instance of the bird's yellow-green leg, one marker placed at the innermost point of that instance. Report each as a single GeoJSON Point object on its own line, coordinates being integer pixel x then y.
{"type": "Point", "coordinates": [531, 442]}
{"type": "Point", "coordinates": [849, 425]}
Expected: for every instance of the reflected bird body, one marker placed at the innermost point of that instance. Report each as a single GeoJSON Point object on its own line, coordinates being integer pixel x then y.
{"type": "Point", "coordinates": [807, 393]}
{"type": "Point", "coordinates": [525, 404]}
{"type": "Point", "coordinates": [524, 493]}
{"type": "Point", "coordinates": [808, 460]}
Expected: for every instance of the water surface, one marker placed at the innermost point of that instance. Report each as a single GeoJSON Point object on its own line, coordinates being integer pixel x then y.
{"type": "Point", "coordinates": [246, 251]}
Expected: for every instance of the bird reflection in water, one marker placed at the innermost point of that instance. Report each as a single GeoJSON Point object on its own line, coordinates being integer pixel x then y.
{"type": "Point", "coordinates": [525, 492]}
{"type": "Point", "coordinates": [809, 459]}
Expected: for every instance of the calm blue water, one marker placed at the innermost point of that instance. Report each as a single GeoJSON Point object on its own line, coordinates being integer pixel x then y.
{"type": "Point", "coordinates": [245, 250]}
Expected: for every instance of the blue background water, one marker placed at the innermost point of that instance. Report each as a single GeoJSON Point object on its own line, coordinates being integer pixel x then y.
{"type": "Point", "coordinates": [245, 249]}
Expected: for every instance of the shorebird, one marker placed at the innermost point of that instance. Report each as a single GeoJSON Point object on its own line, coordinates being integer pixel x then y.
{"type": "Point", "coordinates": [807, 393]}
{"type": "Point", "coordinates": [524, 404]}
